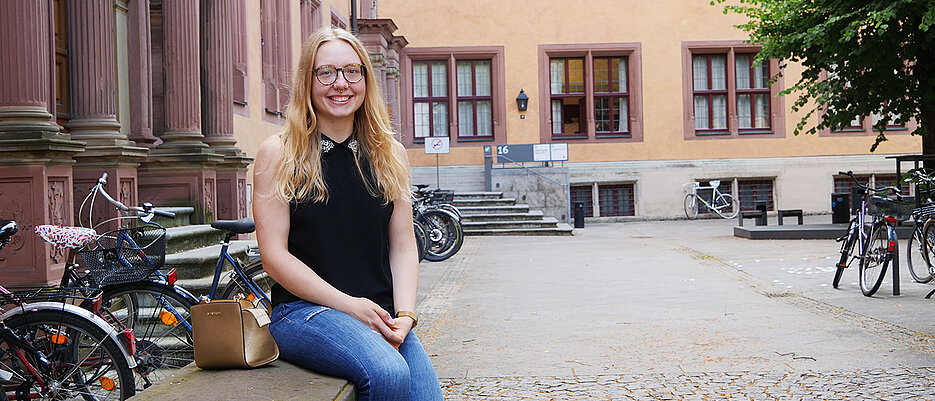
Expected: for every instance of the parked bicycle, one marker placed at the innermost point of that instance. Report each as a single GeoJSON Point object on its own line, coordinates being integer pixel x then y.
{"type": "Point", "coordinates": [148, 301]}
{"type": "Point", "coordinates": [873, 232]}
{"type": "Point", "coordinates": [51, 349]}
{"type": "Point", "coordinates": [917, 254]}
{"type": "Point", "coordinates": [442, 227]}
{"type": "Point", "coordinates": [723, 204]}
{"type": "Point", "coordinates": [125, 264]}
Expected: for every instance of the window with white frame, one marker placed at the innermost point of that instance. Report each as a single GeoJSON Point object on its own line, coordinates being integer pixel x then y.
{"type": "Point", "coordinates": [475, 99]}
{"type": "Point", "coordinates": [430, 98]}
{"type": "Point", "coordinates": [454, 92]}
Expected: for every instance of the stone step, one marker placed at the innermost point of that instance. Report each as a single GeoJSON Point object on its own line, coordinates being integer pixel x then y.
{"type": "Point", "coordinates": [477, 195]}
{"type": "Point", "coordinates": [201, 262]}
{"type": "Point", "coordinates": [459, 203]}
{"type": "Point", "coordinates": [528, 216]}
{"type": "Point", "coordinates": [486, 210]}
{"type": "Point", "coordinates": [184, 238]}
{"type": "Point", "coordinates": [561, 229]}
{"type": "Point", "coordinates": [279, 380]}
{"type": "Point", "coordinates": [202, 285]}
{"type": "Point", "coordinates": [183, 216]}
{"type": "Point", "coordinates": [545, 222]}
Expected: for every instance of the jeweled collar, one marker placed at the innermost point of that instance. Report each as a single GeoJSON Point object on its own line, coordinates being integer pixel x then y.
{"type": "Point", "coordinates": [327, 144]}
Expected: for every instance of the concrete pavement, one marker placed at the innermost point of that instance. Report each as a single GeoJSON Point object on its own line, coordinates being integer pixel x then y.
{"type": "Point", "coordinates": [669, 310]}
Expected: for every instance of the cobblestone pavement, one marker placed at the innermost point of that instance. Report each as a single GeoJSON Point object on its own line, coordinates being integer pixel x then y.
{"type": "Point", "coordinates": [668, 311]}
{"type": "Point", "coordinates": [877, 384]}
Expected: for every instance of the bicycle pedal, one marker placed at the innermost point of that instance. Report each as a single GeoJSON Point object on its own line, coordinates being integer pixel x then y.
{"type": "Point", "coordinates": [5, 375]}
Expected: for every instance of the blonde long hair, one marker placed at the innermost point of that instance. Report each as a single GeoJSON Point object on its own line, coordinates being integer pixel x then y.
{"type": "Point", "coordinates": [298, 174]}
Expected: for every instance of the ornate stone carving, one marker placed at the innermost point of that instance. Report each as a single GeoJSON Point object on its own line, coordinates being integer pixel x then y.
{"type": "Point", "coordinates": [14, 209]}
{"type": "Point", "coordinates": [209, 199]}
{"type": "Point", "coordinates": [241, 199]}
{"type": "Point", "coordinates": [56, 215]}
{"type": "Point", "coordinates": [126, 193]}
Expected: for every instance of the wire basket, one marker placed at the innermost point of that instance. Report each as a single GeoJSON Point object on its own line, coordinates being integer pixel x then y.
{"type": "Point", "coordinates": [924, 211]}
{"type": "Point", "coordinates": [69, 295]}
{"type": "Point", "coordinates": [878, 206]}
{"type": "Point", "coordinates": [126, 255]}
{"type": "Point", "coordinates": [443, 196]}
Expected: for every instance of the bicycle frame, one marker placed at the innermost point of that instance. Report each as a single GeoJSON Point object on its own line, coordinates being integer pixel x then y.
{"type": "Point", "coordinates": [237, 270]}
{"type": "Point", "coordinates": [714, 194]}
{"type": "Point", "coordinates": [863, 226]}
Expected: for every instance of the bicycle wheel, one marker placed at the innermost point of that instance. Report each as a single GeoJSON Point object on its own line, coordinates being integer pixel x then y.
{"type": "Point", "coordinates": [847, 249]}
{"type": "Point", "coordinates": [928, 234]}
{"type": "Point", "coordinates": [919, 267]}
{"type": "Point", "coordinates": [691, 206]}
{"type": "Point", "coordinates": [161, 322]}
{"type": "Point", "coordinates": [445, 235]}
{"type": "Point", "coordinates": [726, 206]}
{"type": "Point", "coordinates": [877, 255]}
{"type": "Point", "coordinates": [421, 239]}
{"type": "Point", "coordinates": [84, 362]}
{"type": "Point", "coordinates": [254, 272]}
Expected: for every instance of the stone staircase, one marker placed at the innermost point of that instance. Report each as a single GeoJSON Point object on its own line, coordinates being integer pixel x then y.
{"type": "Point", "coordinates": [489, 213]}
{"type": "Point", "coordinates": [193, 249]}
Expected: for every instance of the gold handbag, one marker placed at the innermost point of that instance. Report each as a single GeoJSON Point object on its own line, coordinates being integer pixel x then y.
{"type": "Point", "coordinates": [232, 333]}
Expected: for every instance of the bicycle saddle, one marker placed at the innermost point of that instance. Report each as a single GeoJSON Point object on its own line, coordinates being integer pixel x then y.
{"type": "Point", "coordinates": [242, 226]}
{"type": "Point", "coordinates": [65, 237]}
{"type": "Point", "coordinates": [421, 186]}
{"type": "Point", "coordinates": [7, 229]}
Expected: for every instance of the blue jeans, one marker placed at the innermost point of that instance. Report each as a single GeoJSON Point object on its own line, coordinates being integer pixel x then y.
{"type": "Point", "coordinates": [333, 343]}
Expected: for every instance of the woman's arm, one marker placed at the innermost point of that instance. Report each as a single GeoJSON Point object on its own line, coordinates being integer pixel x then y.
{"type": "Point", "coordinates": [404, 257]}
{"type": "Point", "coordinates": [271, 214]}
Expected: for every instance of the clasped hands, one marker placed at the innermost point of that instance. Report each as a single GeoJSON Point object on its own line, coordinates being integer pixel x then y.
{"type": "Point", "coordinates": [394, 331]}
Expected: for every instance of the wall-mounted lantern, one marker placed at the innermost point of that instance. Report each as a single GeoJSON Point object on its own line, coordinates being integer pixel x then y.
{"type": "Point", "coordinates": [522, 101]}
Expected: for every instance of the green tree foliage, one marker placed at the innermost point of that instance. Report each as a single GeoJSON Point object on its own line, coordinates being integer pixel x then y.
{"type": "Point", "coordinates": [861, 57]}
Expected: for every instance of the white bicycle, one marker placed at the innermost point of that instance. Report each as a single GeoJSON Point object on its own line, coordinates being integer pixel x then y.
{"type": "Point", "coordinates": [723, 204]}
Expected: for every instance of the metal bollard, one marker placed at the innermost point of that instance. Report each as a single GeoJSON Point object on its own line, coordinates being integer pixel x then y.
{"type": "Point", "coordinates": [579, 214]}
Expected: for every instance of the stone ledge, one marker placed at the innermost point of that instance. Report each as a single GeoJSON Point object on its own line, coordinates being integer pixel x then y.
{"type": "Point", "coordinates": [279, 380]}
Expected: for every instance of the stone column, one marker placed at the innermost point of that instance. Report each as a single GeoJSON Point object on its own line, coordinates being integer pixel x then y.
{"type": "Point", "coordinates": [384, 48]}
{"type": "Point", "coordinates": [93, 104]}
{"type": "Point", "coordinates": [180, 19]}
{"type": "Point", "coordinates": [392, 79]}
{"type": "Point", "coordinates": [141, 71]}
{"type": "Point", "coordinates": [35, 157]}
{"type": "Point", "coordinates": [181, 170]}
{"type": "Point", "coordinates": [218, 111]}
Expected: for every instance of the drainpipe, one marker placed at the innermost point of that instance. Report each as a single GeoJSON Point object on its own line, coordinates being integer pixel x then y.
{"type": "Point", "coordinates": [354, 17]}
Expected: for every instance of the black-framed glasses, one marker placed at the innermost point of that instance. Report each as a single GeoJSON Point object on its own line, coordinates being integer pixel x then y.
{"type": "Point", "coordinates": [327, 74]}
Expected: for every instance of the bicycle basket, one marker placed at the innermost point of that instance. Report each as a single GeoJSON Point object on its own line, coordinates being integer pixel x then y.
{"type": "Point", "coordinates": [443, 196]}
{"type": "Point", "coordinates": [126, 255]}
{"type": "Point", "coordinates": [878, 206]}
{"type": "Point", "coordinates": [924, 211]}
{"type": "Point", "coordinates": [69, 295]}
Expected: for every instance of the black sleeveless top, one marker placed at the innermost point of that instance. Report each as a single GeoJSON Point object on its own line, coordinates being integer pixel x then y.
{"type": "Point", "coordinates": [345, 239]}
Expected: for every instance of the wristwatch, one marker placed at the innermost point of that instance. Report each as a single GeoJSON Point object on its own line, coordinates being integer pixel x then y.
{"type": "Point", "coordinates": [411, 315]}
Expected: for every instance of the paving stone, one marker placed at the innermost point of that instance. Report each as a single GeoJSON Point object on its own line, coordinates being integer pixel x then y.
{"type": "Point", "coordinates": [882, 384]}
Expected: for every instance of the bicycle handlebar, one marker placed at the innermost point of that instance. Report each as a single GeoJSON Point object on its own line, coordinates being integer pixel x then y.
{"type": "Point", "coordinates": [868, 188]}
{"type": "Point", "coordinates": [144, 208]}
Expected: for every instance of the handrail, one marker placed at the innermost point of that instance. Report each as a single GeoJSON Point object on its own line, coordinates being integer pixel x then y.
{"type": "Point", "coordinates": [566, 186]}
{"type": "Point", "coordinates": [527, 168]}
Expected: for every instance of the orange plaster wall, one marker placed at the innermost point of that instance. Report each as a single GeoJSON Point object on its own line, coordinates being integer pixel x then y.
{"type": "Point", "coordinates": [659, 26]}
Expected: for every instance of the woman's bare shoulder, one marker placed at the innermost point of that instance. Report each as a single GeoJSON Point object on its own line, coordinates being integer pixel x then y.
{"type": "Point", "coordinates": [270, 149]}
{"type": "Point", "coordinates": [400, 151]}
